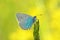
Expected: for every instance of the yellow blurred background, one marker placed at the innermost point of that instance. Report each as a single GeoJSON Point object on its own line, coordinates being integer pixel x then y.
{"type": "Point", "coordinates": [47, 11]}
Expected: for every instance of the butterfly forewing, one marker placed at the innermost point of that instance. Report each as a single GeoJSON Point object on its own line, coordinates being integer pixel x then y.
{"type": "Point", "coordinates": [25, 21]}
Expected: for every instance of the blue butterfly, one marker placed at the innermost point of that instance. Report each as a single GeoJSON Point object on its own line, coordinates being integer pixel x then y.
{"type": "Point", "coordinates": [25, 21]}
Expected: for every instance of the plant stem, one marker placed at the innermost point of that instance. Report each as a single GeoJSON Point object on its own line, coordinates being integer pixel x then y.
{"type": "Point", "coordinates": [36, 31]}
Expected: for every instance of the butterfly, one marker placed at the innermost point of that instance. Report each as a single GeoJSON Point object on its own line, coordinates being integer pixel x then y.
{"type": "Point", "coordinates": [25, 21]}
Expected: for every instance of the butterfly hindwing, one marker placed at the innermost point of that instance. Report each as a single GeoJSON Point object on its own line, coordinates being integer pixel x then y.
{"type": "Point", "coordinates": [25, 21]}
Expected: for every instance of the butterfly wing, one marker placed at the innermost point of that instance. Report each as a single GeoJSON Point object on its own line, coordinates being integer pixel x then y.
{"type": "Point", "coordinates": [25, 21]}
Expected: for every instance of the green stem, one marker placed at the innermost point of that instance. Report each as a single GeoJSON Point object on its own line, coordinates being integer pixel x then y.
{"type": "Point", "coordinates": [36, 31]}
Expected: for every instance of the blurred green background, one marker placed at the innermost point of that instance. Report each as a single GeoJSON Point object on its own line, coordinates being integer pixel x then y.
{"type": "Point", "coordinates": [8, 10]}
